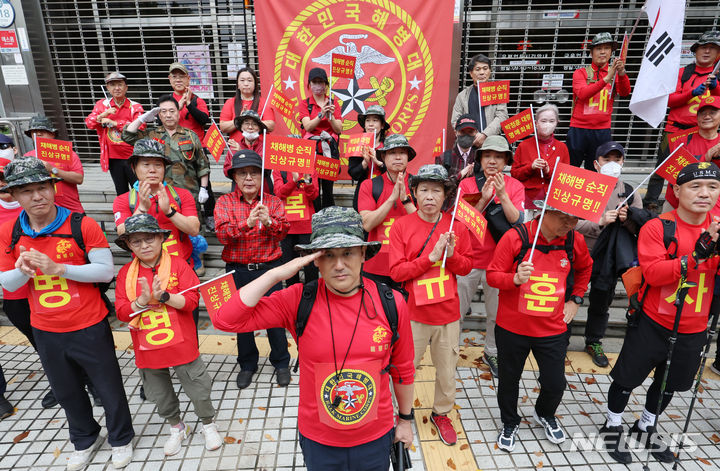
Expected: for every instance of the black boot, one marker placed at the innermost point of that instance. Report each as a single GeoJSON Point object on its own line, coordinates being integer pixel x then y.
{"type": "Point", "coordinates": [654, 442]}
{"type": "Point", "coordinates": [614, 439]}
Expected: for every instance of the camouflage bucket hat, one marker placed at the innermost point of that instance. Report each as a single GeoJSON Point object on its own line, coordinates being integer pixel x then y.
{"type": "Point", "coordinates": [708, 37]}
{"type": "Point", "coordinates": [603, 38]}
{"type": "Point", "coordinates": [337, 227]}
{"type": "Point", "coordinates": [40, 123]}
{"type": "Point", "coordinates": [250, 114]}
{"type": "Point", "coordinates": [433, 173]}
{"type": "Point", "coordinates": [25, 171]}
{"type": "Point", "coordinates": [149, 148]}
{"type": "Point", "coordinates": [396, 141]}
{"type": "Point", "coordinates": [140, 224]}
{"type": "Point", "coordinates": [376, 110]}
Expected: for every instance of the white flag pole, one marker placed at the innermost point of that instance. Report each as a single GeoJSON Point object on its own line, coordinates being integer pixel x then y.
{"type": "Point", "coordinates": [104, 92]}
{"type": "Point", "coordinates": [542, 213]}
{"type": "Point", "coordinates": [537, 144]}
{"type": "Point", "coordinates": [262, 170]}
{"type": "Point", "coordinates": [372, 161]}
{"type": "Point", "coordinates": [443, 140]}
{"type": "Point", "coordinates": [648, 177]}
{"type": "Point", "coordinates": [267, 99]}
{"type": "Point", "coordinates": [452, 222]}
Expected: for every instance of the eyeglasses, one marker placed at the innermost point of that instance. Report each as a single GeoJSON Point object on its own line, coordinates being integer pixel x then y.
{"type": "Point", "coordinates": [247, 173]}
{"type": "Point", "coordinates": [140, 241]}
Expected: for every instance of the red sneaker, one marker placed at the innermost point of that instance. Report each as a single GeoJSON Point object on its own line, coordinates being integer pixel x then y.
{"type": "Point", "coordinates": [445, 428]}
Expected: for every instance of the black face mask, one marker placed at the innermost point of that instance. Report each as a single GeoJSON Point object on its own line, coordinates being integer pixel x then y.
{"type": "Point", "coordinates": [465, 141]}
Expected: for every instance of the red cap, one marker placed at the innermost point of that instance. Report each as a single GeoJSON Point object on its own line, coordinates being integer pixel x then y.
{"type": "Point", "coordinates": [710, 101]}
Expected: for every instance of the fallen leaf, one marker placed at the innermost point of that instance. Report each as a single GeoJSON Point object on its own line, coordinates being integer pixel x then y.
{"type": "Point", "coordinates": [674, 416]}
{"type": "Point", "coordinates": [412, 447]}
{"type": "Point", "coordinates": [451, 464]}
{"type": "Point", "coordinates": [480, 441]}
{"type": "Point", "coordinates": [486, 376]}
{"type": "Point", "coordinates": [230, 440]}
{"type": "Point", "coordinates": [262, 408]}
{"type": "Point", "coordinates": [492, 388]}
{"type": "Point", "coordinates": [465, 331]}
{"type": "Point", "coordinates": [701, 389]}
{"type": "Point", "coordinates": [425, 419]}
{"type": "Point", "coordinates": [700, 400]}
{"type": "Point", "coordinates": [579, 370]}
{"type": "Point", "coordinates": [703, 461]}
{"type": "Point", "coordinates": [568, 363]}
{"type": "Point", "coordinates": [526, 422]}
{"type": "Point", "coordinates": [590, 380]}
{"type": "Point", "coordinates": [584, 413]}
{"type": "Point", "coordinates": [464, 446]}
{"type": "Point", "coordinates": [240, 421]}
{"type": "Point", "coordinates": [456, 407]}
{"type": "Point", "coordinates": [524, 399]}
{"type": "Point", "coordinates": [466, 340]}
{"type": "Point", "coordinates": [417, 403]}
{"type": "Point", "coordinates": [572, 386]}
{"type": "Point", "coordinates": [536, 389]}
{"type": "Point", "coordinates": [539, 453]}
{"type": "Point", "coordinates": [57, 452]}
{"type": "Point", "coordinates": [433, 432]}
{"type": "Point", "coordinates": [219, 343]}
{"type": "Point", "coordinates": [496, 447]}
{"type": "Point", "coordinates": [715, 438]}
{"type": "Point", "coordinates": [596, 401]}
{"type": "Point", "coordinates": [539, 465]}
{"type": "Point", "coordinates": [463, 356]}
{"type": "Point", "coordinates": [269, 437]}
{"type": "Point", "coordinates": [12, 380]}
{"type": "Point", "coordinates": [31, 375]}
{"type": "Point", "coordinates": [21, 437]}
{"type": "Point", "coordinates": [593, 370]}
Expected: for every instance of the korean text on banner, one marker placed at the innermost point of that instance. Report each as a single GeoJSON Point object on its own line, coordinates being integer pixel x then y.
{"type": "Point", "coordinates": [289, 154]}
{"type": "Point", "coordinates": [581, 192]}
{"type": "Point", "coordinates": [471, 218]}
{"type": "Point", "coordinates": [283, 104]}
{"type": "Point", "coordinates": [326, 168]}
{"type": "Point", "coordinates": [214, 142]}
{"type": "Point", "coordinates": [624, 47]}
{"type": "Point", "coordinates": [342, 66]}
{"type": "Point", "coordinates": [671, 168]}
{"type": "Point", "coordinates": [518, 126]}
{"type": "Point", "coordinates": [356, 142]}
{"type": "Point", "coordinates": [438, 148]}
{"type": "Point", "coordinates": [217, 293]}
{"type": "Point", "coordinates": [675, 139]}
{"type": "Point", "coordinates": [54, 150]}
{"type": "Point", "coordinates": [493, 93]}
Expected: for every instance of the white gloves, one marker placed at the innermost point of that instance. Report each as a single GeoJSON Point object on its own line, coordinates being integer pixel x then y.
{"type": "Point", "coordinates": [149, 116]}
{"type": "Point", "coordinates": [203, 195]}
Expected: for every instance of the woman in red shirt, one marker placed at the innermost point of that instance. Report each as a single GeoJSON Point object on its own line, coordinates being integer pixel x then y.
{"type": "Point", "coordinates": [247, 97]}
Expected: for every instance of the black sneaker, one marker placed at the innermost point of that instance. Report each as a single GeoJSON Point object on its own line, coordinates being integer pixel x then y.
{"type": "Point", "coordinates": [654, 442]}
{"type": "Point", "coordinates": [49, 400]}
{"type": "Point", "coordinates": [492, 362]}
{"type": "Point", "coordinates": [142, 393]}
{"type": "Point", "coordinates": [282, 376]}
{"type": "Point", "coordinates": [596, 352]}
{"type": "Point", "coordinates": [715, 366]}
{"type": "Point", "coordinates": [614, 439]}
{"type": "Point", "coordinates": [6, 409]}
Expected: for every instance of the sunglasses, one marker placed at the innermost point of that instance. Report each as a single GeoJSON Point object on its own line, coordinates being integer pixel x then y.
{"type": "Point", "coordinates": [5, 145]}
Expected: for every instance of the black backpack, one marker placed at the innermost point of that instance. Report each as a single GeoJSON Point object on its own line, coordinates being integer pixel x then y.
{"type": "Point", "coordinates": [307, 300]}
{"type": "Point", "coordinates": [76, 235]}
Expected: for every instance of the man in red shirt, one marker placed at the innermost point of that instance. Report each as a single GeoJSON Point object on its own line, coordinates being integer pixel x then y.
{"type": "Point", "coordinates": [67, 312]}
{"type": "Point", "coordinates": [592, 102]}
{"type": "Point", "coordinates": [345, 411]}
{"type": "Point", "coordinates": [691, 256]}
{"type": "Point", "coordinates": [251, 231]}
{"type": "Point", "coordinates": [695, 83]}
{"type": "Point", "coordinates": [538, 299]}
{"type": "Point", "coordinates": [109, 116]}
{"type": "Point", "coordinates": [380, 210]}
{"type": "Point", "coordinates": [419, 244]}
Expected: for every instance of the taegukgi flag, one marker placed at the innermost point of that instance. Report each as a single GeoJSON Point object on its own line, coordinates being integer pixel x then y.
{"type": "Point", "coordinates": [661, 60]}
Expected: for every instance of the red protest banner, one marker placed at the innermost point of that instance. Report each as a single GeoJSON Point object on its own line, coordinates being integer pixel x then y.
{"type": "Point", "coordinates": [327, 168]}
{"type": "Point", "coordinates": [492, 93]}
{"type": "Point", "coordinates": [283, 104]}
{"type": "Point", "coordinates": [675, 139]}
{"type": "Point", "coordinates": [355, 143]}
{"type": "Point", "coordinates": [438, 148]}
{"type": "Point", "coordinates": [289, 154]}
{"type": "Point", "coordinates": [471, 218]}
{"type": "Point", "coordinates": [671, 168]}
{"type": "Point", "coordinates": [54, 150]}
{"type": "Point", "coordinates": [342, 66]}
{"type": "Point", "coordinates": [624, 47]}
{"type": "Point", "coordinates": [518, 126]}
{"type": "Point", "coordinates": [214, 142]}
{"type": "Point", "coordinates": [580, 192]}
{"type": "Point", "coordinates": [217, 292]}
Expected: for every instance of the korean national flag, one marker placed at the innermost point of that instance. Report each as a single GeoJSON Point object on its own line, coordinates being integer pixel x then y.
{"type": "Point", "coordinates": [661, 60]}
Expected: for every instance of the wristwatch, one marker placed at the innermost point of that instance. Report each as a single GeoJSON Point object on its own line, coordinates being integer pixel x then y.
{"type": "Point", "coordinates": [406, 200]}
{"type": "Point", "coordinates": [409, 416]}
{"type": "Point", "coordinates": [577, 300]}
{"type": "Point", "coordinates": [55, 171]}
{"type": "Point", "coordinates": [172, 213]}
{"type": "Point", "coordinates": [165, 297]}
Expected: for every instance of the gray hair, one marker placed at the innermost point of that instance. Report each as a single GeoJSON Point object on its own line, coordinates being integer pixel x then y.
{"type": "Point", "coordinates": [548, 107]}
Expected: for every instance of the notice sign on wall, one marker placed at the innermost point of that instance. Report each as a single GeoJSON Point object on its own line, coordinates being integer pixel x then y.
{"type": "Point", "coordinates": [14, 75]}
{"type": "Point", "coordinates": [8, 42]}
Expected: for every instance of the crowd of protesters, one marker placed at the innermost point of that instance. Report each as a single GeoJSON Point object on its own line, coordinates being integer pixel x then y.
{"type": "Point", "coordinates": [380, 282]}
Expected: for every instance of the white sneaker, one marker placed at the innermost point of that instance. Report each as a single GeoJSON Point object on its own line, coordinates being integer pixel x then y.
{"type": "Point", "coordinates": [177, 436]}
{"type": "Point", "coordinates": [121, 455]}
{"type": "Point", "coordinates": [212, 437]}
{"type": "Point", "coordinates": [81, 458]}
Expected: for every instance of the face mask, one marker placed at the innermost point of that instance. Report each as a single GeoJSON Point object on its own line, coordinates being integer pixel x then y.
{"type": "Point", "coordinates": [546, 129]}
{"type": "Point", "coordinates": [7, 154]}
{"type": "Point", "coordinates": [611, 169]}
{"type": "Point", "coordinates": [250, 136]}
{"type": "Point", "coordinates": [317, 88]}
{"type": "Point", "coordinates": [465, 141]}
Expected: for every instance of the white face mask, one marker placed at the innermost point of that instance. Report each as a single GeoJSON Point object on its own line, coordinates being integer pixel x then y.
{"type": "Point", "coordinates": [8, 153]}
{"type": "Point", "coordinates": [611, 169]}
{"type": "Point", "coordinates": [317, 88]}
{"type": "Point", "coordinates": [250, 136]}
{"type": "Point", "coordinates": [546, 129]}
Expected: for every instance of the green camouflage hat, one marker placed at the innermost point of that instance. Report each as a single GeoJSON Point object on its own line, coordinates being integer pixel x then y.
{"type": "Point", "coordinates": [376, 110]}
{"type": "Point", "coordinates": [250, 114]}
{"type": "Point", "coordinates": [498, 144]}
{"type": "Point", "coordinates": [337, 227]}
{"type": "Point", "coordinates": [40, 123]}
{"type": "Point", "coordinates": [539, 204]}
{"type": "Point", "coordinates": [603, 38]}
{"type": "Point", "coordinates": [395, 141]}
{"type": "Point", "coordinates": [433, 173]}
{"type": "Point", "coordinates": [708, 37]}
{"type": "Point", "coordinates": [24, 171]}
{"type": "Point", "coordinates": [140, 224]}
{"type": "Point", "coordinates": [149, 148]}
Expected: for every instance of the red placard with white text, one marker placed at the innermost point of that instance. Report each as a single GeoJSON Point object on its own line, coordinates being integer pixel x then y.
{"type": "Point", "coordinates": [283, 104]}
{"type": "Point", "coordinates": [214, 142]}
{"type": "Point", "coordinates": [289, 154]}
{"type": "Point", "coordinates": [355, 143]}
{"type": "Point", "coordinates": [580, 192]}
{"type": "Point", "coordinates": [471, 218]}
{"type": "Point", "coordinates": [493, 93]}
{"type": "Point", "coordinates": [671, 168]}
{"type": "Point", "coordinates": [438, 148]}
{"type": "Point", "coordinates": [518, 126]}
{"type": "Point", "coordinates": [327, 168]}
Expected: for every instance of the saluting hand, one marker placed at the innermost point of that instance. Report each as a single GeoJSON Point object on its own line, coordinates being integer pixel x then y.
{"type": "Point", "coordinates": [524, 270]}
{"type": "Point", "coordinates": [290, 269]}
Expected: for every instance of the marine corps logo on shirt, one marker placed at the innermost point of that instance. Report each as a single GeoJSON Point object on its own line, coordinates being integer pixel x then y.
{"type": "Point", "coordinates": [172, 281]}
{"type": "Point", "coordinates": [354, 393]}
{"type": "Point", "coordinates": [114, 135]}
{"type": "Point", "coordinates": [564, 262]}
{"type": "Point", "coordinates": [62, 248]}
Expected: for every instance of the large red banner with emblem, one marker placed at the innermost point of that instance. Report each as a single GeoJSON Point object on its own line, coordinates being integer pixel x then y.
{"type": "Point", "coordinates": [580, 192]}
{"type": "Point", "coordinates": [402, 48]}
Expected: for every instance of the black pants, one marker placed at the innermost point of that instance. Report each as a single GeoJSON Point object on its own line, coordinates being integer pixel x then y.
{"type": "Point", "coordinates": [326, 197]}
{"type": "Point", "coordinates": [18, 311]}
{"type": "Point", "coordinates": [248, 354]}
{"type": "Point", "coordinates": [513, 350]}
{"type": "Point", "coordinates": [288, 253]}
{"type": "Point", "coordinates": [209, 205]}
{"type": "Point", "coordinates": [65, 357]}
{"type": "Point", "coordinates": [582, 144]}
{"type": "Point", "coordinates": [656, 182]}
{"type": "Point", "coordinates": [122, 175]}
{"type": "Point", "coordinates": [370, 456]}
{"type": "Point", "coordinates": [598, 313]}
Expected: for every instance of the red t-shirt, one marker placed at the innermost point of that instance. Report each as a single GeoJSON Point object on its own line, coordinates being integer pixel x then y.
{"type": "Point", "coordinates": [535, 308]}
{"type": "Point", "coordinates": [483, 251]}
{"type": "Point", "coordinates": [178, 243]}
{"type": "Point", "coordinates": [111, 142]}
{"type": "Point", "coordinates": [11, 214]}
{"type": "Point", "coordinates": [56, 303]}
{"type": "Point", "coordinates": [66, 194]}
{"type": "Point", "coordinates": [433, 290]}
{"type": "Point", "coordinates": [379, 264]}
{"type": "Point", "coordinates": [662, 274]}
{"type": "Point", "coordinates": [228, 113]}
{"type": "Point", "coordinates": [183, 342]}
{"type": "Point", "coordinates": [698, 146]}
{"type": "Point", "coordinates": [593, 103]}
{"type": "Point", "coordinates": [257, 146]}
{"type": "Point", "coordinates": [683, 105]}
{"type": "Point", "coordinates": [298, 202]}
{"type": "Point", "coordinates": [525, 155]}
{"type": "Point", "coordinates": [366, 411]}
{"type": "Point", "coordinates": [187, 121]}
{"type": "Point", "coordinates": [324, 125]}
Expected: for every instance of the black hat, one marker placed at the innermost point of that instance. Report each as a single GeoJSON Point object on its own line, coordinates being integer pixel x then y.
{"type": "Point", "coordinates": [697, 171]}
{"type": "Point", "coordinates": [244, 158]}
{"type": "Point", "coordinates": [466, 121]}
{"type": "Point", "coordinates": [317, 72]}
{"type": "Point", "coordinates": [606, 147]}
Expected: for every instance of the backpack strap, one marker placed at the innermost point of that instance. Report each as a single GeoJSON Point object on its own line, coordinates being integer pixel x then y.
{"type": "Point", "coordinates": [283, 175]}
{"type": "Point", "coordinates": [76, 230]}
{"type": "Point", "coordinates": [522, 231]}
{"type": "Point", "coordinates": [132, 199]}
{"type": "Point", "coordinates": [174, 194]}
{"type": "Point", "coordinates": [590, 72]}
{"type": "Point", "coordinates": [378, 184]}
{"type": "Point", "coordinates": [688, 72]}
{"type": "Point", "coordinates": [17, 232]}
{"type": "Point", "coordinates": [388, 303]}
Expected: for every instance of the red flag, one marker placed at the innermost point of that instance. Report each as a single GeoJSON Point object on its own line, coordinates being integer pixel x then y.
{"type": "Point", "coordinates": [283, 104]}
{"type": "Point", "coordinates": [438, 148]}
{"type": "Point", "coordinates": [214, 142]}
{"type": "Point", "coordinates": [676, 138]}
{"type": "Point", "coordinates": [217, 292]}
{"type": "Point", "coordinates": [342, 66]}
{"type": "Point", "coordinates": [518, 126]}
{"type": "Point", "coordinates": [327, 168]}
{"type": "Point", "coordinates": [624, 47]}
{"type": "Point", "coordinates": [356, 142]}
{"type": "Point", "coordinates": [493, 93]}
{"type": "Point", "coordinates": [289, 154]}
{"type": "Point", "coordinates": [580, 192]}
{"type": "Point", "coordinates": [54, 151]}
{"type": "Point", "coordinates": [471, 218]}
{"type": "Point", "coordinates": [671, 168]}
